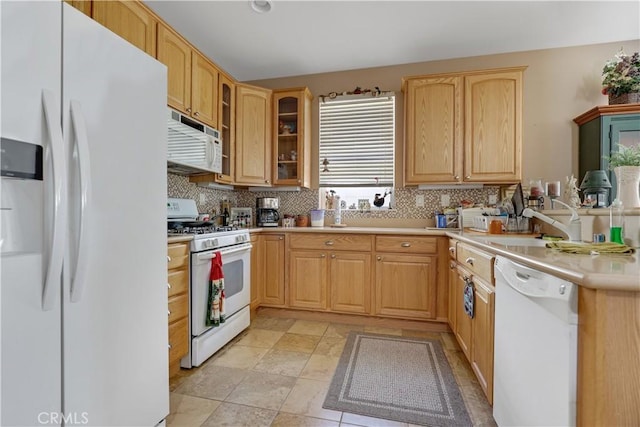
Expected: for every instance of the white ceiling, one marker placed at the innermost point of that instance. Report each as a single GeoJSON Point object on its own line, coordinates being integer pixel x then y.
{"type": "Point", "coordinates": [307, 37]}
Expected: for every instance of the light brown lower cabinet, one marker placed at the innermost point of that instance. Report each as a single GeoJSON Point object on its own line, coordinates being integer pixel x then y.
{"type": "Point", "coordinates": [308, 279]}
{"type": "Point", "coordinates": [350, 282]}
{"type": "Point", "coordinates": [474, 335]}
{"type": "Point", "coordinates": [271, 270]}
{"type": "Point", "coordinates": [463, 321]}
{"type": "Point", "coordinates": [405, 285]}
{"type": "Point", "coordinates": [178, 303]}
{"type": "Point", "coordinates": [482, 336]}
{"type": "Point", "coordinates": [256, 253]}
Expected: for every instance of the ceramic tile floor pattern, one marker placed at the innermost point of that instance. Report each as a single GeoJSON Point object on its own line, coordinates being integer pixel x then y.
{"type": "Point", "coordinates": [277, 372]}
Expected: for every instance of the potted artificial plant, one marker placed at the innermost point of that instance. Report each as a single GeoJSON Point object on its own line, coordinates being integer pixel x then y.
{"type": "Point", "coordinates": [626, 166]}
{"type": "Point", "coordinates": [621, 79]}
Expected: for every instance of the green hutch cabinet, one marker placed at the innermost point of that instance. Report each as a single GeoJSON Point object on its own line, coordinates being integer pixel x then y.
{"type": "Point", "coordinates": [601, 131]}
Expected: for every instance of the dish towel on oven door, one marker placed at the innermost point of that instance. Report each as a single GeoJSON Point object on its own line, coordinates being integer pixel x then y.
{"type": "Point", "coordinates": [215, 301]}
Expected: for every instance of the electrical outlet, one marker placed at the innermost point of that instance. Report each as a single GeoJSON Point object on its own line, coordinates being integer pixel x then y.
{"type": "Point", "coordinates": [445, 200]}
{"type": "Point", "coordinates": [493, 199]}
{"type": "Point", "coordinates": [419, 201]}
{"type": "Point", "coordinates": [203, 198]}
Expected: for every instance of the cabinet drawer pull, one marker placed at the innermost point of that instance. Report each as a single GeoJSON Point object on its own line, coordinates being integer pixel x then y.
{"type": "Point", "coordinates": [329, 243]}
{"type": "Point", "coordinates": [169, 346]}
{"type": "Point", "coordinates": [280, 238]}
{"type": "Point", "coordinates": [457, 177]}
{"type": "Point", "coordinates": [196, 114]}
{"type": "Point", "coordinates": [379, 258]}
{"type": "Point", "coordinates": [323, 256]}
{"type": "Point", "coordinates": [168, 285]}
{"type": "Point", "coordinates": [405, 244]}
{"type": "Point", "coordinates": [333, 255]}
{"type": "Point", "coordinates": [168, 312]}
{"type": "Point", "coordinates": [168, 258]}
{"type": "Point", "coordinates": [469, 261]}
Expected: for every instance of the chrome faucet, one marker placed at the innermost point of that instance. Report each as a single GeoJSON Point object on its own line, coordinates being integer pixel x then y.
{"type": "Point", "coordinates": [573, 230]}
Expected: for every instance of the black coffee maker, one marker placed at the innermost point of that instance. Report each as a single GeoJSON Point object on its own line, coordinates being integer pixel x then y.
{"type": "Point", "coordinates": [267, 211]}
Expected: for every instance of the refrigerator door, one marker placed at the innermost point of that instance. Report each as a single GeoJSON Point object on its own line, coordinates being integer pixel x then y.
{"type": "Point", "coordinates": [30, 371]}
{"type": "Point", "coordinates": [115, 278]}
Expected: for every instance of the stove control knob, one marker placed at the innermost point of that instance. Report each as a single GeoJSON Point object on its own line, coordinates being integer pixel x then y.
{"type": "Point", "coordinates": [213, 243]}
{"type": "Point", "coordinates": [239, 239]}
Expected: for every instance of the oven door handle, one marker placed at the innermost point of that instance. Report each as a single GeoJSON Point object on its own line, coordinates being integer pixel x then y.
{"type": "Point", "coordinates": [207, 256]}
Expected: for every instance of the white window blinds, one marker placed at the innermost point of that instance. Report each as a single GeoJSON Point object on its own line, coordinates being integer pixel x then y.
{"type": "Point", "coordinates": [357, 136]}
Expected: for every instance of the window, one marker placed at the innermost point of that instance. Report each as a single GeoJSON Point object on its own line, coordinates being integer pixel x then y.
{"type": "Point", "coordinates": [357, 135]}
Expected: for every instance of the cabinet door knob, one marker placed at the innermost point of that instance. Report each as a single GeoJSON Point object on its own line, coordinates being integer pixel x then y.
{"type": "Point", "coordinates": [168, 258]}
{"type": "Point", "coordinates": [452, 265]}
{"type": "Point", "coordinates": [168, 285]}
{"type": "Point", "coordinates": [379, 258]}
{"type": "Point", "coordinates": [196, 114]}
{"type": "Point", "coordinates": [266, 181]}
{"type": "Point", "coordinates": [467, 177]}
{"type": "Point", "coordinates": [329, 243]}
{"type": "Point", "coordinates": [323, 255]}
{"type": "Point", "coordinates": [405, 244]}
{"type": "Point", "coordinates": [469, 261]}
{"type": "Point", "coordinates": [333, 255]}
{"type": "Point", "coordinates": [280, 238]}
{"type": "Point", "coordinates": [457, 177]}
{"type": "Point", "coordinates": [189, 110]}
{"type": "Point", "coordinates": [452, 249]}
{"type": "Point", "coordinates": [168, 312]}
{"type": "Point", "coordinates": [169, 346]}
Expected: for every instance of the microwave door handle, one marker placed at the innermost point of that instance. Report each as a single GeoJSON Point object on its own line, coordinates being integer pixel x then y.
{"type": "Point", "coordinates": [78, 278]}
{"type": "Point", "coordinates": [56, 251]}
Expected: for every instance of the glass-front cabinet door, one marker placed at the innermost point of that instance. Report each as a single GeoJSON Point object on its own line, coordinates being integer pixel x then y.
{"type": "Point", "coordinates": [292, 137]}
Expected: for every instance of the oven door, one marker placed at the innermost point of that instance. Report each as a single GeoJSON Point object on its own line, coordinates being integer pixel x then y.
{"type": "Point", "coordinates": [236, 263]}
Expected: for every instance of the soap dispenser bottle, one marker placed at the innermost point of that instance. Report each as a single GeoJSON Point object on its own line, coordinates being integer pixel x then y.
{"type": "Point", "coordinates": [616, 222]}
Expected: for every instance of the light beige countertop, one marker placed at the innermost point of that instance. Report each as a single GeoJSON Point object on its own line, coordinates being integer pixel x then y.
{"type": "Point", "coordinates": [355, 230]}
{"type": "Point", "coordinates": [604, 271]}
{"type": "Point", "coordinates": [178, 239]}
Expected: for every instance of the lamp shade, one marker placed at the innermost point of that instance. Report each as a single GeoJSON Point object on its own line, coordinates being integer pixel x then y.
{"type": "Point", "coordinates": [595, 179]}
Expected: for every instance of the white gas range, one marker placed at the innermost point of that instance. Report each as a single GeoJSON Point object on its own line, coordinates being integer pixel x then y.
{"type": "Point", "coordinates": [208, 241]}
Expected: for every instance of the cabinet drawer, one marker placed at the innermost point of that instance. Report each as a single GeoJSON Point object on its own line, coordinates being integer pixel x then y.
{"type": "Point", "coordinates": [178, 255]}
{"type": "Point", "coordinates": [178, 307]}
{"type": "Point", "coordinates": [476, 260]}
{"type": "Point", "coordinates": [407, 244]}
{"type": "Point", "coordinates": [339, 242]}
{"type": "Point", "coordinates": [178, 281]}
{"type": "Point", "coordinates": [178, 339]}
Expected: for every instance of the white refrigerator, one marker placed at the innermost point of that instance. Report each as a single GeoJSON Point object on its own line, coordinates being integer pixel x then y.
{"type": "Point", "coordinates": [83, 292]}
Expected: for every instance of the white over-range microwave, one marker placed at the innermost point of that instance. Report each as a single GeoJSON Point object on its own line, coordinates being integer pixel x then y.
{"type": "Point", "coordinates": [193, 148]}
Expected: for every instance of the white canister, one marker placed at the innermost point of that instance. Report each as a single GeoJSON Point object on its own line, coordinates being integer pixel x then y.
{"type": "Point", "coordinates": [317, 218]}
{"type": "Point", "coordinates": [338, 210]}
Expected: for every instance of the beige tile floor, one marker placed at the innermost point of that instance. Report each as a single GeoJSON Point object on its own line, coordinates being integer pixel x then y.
{"type": "Point", "coordinates": [276, 373]}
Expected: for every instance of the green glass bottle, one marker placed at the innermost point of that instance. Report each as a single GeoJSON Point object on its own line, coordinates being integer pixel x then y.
{"type": "Point", "coordinates": [616, 222]}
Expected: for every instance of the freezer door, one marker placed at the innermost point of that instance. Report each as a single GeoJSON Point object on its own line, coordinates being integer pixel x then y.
{"type": "Point", "coordinates": [115, 277]}
{"type": "Point", "coordinates": [30, 368]}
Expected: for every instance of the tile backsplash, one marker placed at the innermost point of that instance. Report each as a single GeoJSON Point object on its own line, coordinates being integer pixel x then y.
{"type": "Point", "coordinates": [307, 199]}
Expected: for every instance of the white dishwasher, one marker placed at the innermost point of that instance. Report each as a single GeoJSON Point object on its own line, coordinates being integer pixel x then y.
{"type": "Point", "coordinates": [535, 347]}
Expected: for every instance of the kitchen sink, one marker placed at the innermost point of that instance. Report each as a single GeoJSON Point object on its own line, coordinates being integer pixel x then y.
{"type": "Point", "coordinates": [511, 240]}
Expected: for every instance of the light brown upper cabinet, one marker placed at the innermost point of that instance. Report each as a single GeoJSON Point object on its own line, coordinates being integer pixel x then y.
{"type": "Point", "coordinates": [175, 53]}
{"type": "Point", "coordinates": [131, 20]}
{"type": "Point", "coordinates": [433, 110]}
{"type": "Point", "coordinates": [253, 136]}
{"type": "Point", "coordinates": [204, 90]}
{"type": "Point", "coordinates": [292, 137]}
{"type": "Point", "coordinates": [192, 79]}
{"type": "Point", "coordinates": [464, 127]}
{"type": "Point", "coordinates": [227, 126]}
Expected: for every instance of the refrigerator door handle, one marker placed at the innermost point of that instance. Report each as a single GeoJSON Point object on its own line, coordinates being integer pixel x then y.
{"type": "Point", "coordinates": [78, 277]}
{"type": "Point", "coordinates": [58, 166]}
